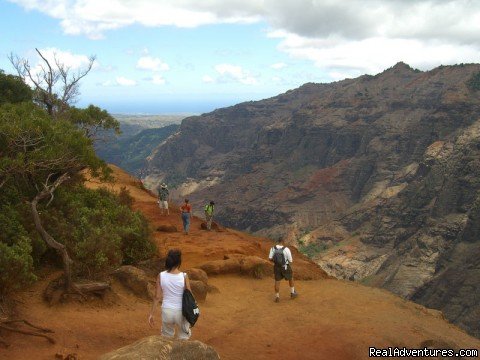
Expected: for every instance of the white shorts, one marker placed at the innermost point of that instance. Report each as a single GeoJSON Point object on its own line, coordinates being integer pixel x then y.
{"type": "Point", "coordinates": [163, 204]}
{"type": "Point", "coordinates": [172, 319]}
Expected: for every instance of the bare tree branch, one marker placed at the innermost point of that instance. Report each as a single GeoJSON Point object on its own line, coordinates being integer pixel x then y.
{"type": "Point", "coordinates": [56, 88]}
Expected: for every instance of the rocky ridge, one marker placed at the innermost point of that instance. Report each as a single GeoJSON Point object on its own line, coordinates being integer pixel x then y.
{"type": "Point", "coordinates": [376, 177]}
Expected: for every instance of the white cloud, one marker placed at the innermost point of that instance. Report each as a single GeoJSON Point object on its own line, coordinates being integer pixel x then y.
{"type": "Point", "coordinates": [72, 62]}
{"type": "Point", "coordinates": [278, 66]}
{"type": "Point", "coordinates": [208, 79]}
{"type": "Point", "coordinates": [67, 58]}
{"type": "Point", "coordinates": [359, 19]}
{"type": "Point", "coordinates": [341, 37]}
{"type": "Point", "coordinates": [93, 18]}
{"type": "Point", "coordinates": [152, 64]}
{"type": "Point", "coordinates": [122, 81]}
{"type": "Point", "coordinates": [229, 73]}
{"type": "Point", "coordinates": [158, 80]}
{"type": "Point", "coordinates": [348, 58]}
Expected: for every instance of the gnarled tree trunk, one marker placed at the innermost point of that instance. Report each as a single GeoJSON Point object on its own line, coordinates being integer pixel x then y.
{"type": "Point", "coordinates": [60, 248]}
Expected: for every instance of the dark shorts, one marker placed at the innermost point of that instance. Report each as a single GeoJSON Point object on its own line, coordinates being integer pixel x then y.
{"type": "Point", "coordinates": [281, 273]}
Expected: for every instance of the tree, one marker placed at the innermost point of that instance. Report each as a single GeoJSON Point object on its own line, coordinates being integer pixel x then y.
{"type": "Point", "coordinates": [39, 155]}
{"type": "Point", "coordinates": [56, 86]}
{"type": "Point", "coordinates": [56, 89]}
{"type": "Point", "coordinates": [92, 121]}
{"type": "Point", "coordinates": [13, 89]}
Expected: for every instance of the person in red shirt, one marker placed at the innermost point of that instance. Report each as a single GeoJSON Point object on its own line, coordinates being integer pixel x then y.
{"type": "Point", "coordinates": [186, 211]}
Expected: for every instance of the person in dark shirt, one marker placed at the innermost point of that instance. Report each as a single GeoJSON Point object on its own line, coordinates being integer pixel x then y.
{"type": "Point", "coordinates": [163, 197]}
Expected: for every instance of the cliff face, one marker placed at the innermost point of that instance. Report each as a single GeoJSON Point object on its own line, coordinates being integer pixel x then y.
{"type": "Point", "coordinates": [431, 231]}
{"type": "Point", "coordinates": [379, 173]}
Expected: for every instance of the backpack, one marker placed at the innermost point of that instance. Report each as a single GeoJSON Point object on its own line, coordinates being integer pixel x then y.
{"type": "Point", "coordinates": [209, 209]}
{"type": "Point", "coordinates": [163, 194]}
{"type": "Point", "coordinates": [189, 307]}
{"type": "Point", "coordinates": [278, 256]}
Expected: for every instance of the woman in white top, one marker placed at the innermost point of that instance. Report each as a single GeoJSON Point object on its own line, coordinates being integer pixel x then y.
{"type": "Point", "coordinates": [170, 286]}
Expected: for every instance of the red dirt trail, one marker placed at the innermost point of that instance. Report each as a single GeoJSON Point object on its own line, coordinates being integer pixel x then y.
{"type": "Point", "coordinates": [330, 319]}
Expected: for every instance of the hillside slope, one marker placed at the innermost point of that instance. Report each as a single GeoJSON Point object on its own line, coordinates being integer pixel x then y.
{"type": "Point", "coordinates": [331, 319]}
{"type": "Point", "coordinates": [381, 171]}
{"type": "Point", "coordinates": [130, 151]}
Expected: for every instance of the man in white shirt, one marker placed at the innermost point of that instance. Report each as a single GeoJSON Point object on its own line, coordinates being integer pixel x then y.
{"type": "Point", "coordinates": [281, 256]}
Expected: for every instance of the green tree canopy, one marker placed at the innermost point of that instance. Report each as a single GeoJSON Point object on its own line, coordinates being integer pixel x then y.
{"type": "Point", "coordinates": [35, 151]}
{"type": "Point", "coordinates": [13, 89]}
{"type": "Point", "coordinates": [92, 120]}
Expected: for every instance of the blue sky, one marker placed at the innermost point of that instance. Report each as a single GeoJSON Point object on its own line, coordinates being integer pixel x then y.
{"type": "Point", "coordinates": [155, 56]}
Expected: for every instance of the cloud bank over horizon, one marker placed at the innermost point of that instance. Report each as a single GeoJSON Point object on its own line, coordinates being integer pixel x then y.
{"type": "Point", "coordinates": [365, 36]}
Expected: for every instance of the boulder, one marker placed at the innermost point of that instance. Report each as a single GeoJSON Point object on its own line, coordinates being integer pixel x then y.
{"type": "Point", "coordinates": [221, 267]}
{"type": "Point", "coordinates": [159, 348]}
{"type": "Point", "coordinates": [256, 267]}
{"type": "Point", "coordinates": [135, 280]}
{"type": "Point", "coordinates": [253, 266]}
{"type": "Point", "coordinates": [212, 289]}
{"type": "Point", "coordinates": [199, 290]}
{"type": "Point", "coordinates": [197, 274]}
{"type": "Point", "coordinates": [153, 266]}
{"type": "Point", "coordinates": [169, 228]}
{"type": "Point", "coordinates": [215, 226]}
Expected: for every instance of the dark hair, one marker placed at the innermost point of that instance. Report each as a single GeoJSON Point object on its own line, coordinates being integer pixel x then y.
{"type": "Point", "coordinates": [212, 203]}
{"type": "Point", "coordinates": [186, 201]}
{"type": "Point", "coordinates": [279, 239]}
{"type": "Point", "coordinates": [173, 260]}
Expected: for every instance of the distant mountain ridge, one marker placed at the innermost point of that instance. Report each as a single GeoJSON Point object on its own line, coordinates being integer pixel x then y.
{"type": "Point", "coordinates": [375, 176]}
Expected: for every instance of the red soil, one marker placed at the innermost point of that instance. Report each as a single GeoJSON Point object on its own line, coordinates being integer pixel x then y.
{"type": "Point", "coordinates": [330, 319]}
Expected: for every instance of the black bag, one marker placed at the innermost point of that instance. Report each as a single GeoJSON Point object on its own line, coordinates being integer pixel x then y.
{"type": "Point", "coordinates": [279, 256]}
{"type": "Point", "coordinates": [189, 307]}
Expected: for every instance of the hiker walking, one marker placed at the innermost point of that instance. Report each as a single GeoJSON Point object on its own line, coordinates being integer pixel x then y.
{"type": "Point", "coordinates": [163, 195]}
{"type": "Point", "coordinates": [281, 257]}
{"type": "Point", "coordinates": [186, 211]}
{"type": "Point", "coordinates": [209, 208]}
{"type": "Point", "coordinates": [169, 288]}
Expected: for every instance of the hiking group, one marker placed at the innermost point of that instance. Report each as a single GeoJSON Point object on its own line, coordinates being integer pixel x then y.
{"type": "Point", "coordinates": [179, 308]}
{"type": "Point", "coordinates": [185, 209]}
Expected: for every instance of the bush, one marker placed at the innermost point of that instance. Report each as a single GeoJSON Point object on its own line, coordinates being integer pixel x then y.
{"type": "Point", "coordinates": [99, 231]}
{"type": "Point", "coordinates": [16, 265]}
{"type": "Point", "coordinates": [16, 262]}
{"type": "Point", "coordinates": [124, 197]}
{"type": "Point", "coordinates": [474, 82]}
{"type": "Point", "coordinates": [312, 249]}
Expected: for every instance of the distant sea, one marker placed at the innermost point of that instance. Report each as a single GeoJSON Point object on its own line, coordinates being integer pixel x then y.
{"type": "Point", "coordinates": [172, 108]}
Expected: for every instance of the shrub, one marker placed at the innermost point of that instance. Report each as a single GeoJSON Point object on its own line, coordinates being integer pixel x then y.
{"type": "Point", "coordinates": [474, 82]}
{"type": "Point", "coordinates": [124, 197]}
{"type": "Point", "coordinates": [16, 262]}
{"type": "Point", "coordinates": [312, 249]}
{"type": "Point", "coordinates": [99, 231]}
{"type": "Point", "coordinates": [16, 265]}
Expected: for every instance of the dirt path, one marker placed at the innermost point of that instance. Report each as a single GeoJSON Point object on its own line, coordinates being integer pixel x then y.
{"type": "Point", "coordinates": [330, 319]}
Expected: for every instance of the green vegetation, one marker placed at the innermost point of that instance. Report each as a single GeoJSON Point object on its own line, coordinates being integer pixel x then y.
{"type": "Point", "coordinates": [13, 89]}
{"type": "Point", "coordinates": [98, 231]}
{"type": "Point", "coordinates": [474, 82]}
{"type": "Point", "coordinates": [46, 214]}
{"type": "Point", "coordinates": [312, 249]}
{"type": "Point", "coordinates": [130, 153]}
